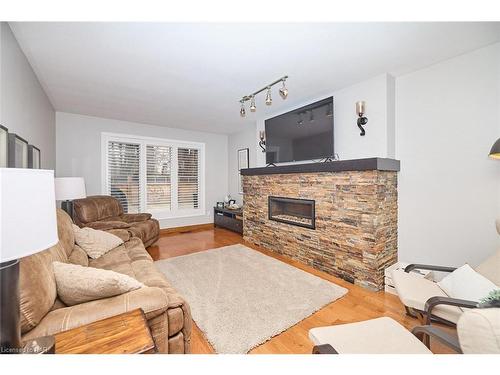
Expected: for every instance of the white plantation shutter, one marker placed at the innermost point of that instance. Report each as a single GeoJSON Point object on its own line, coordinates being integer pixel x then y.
{"type": "Point", "coordinates": [123, 160]}
{"type": "Point", "coordinates": [188, 191]}
{"type": "Point", "coordinates": [158, 177]}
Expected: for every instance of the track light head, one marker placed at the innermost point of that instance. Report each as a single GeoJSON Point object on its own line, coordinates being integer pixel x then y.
{"type": "Point", "coordinates": [253, 107]}
{"type": "Point", "coordinates": [242, 109]}
{"type": "Point", "coordinates": [269, 99]}
{"type": "Point", "coordinates": [283, 91]}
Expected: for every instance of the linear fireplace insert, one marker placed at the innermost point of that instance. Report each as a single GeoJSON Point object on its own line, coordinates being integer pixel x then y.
{"type": "Point", "coordinates": [294, 211]}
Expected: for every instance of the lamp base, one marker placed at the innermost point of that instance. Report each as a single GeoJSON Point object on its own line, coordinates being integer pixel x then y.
{"type": "Point", "coordinates": [10, 329]}
{"type": "Point", "coordinates": [67, 206]}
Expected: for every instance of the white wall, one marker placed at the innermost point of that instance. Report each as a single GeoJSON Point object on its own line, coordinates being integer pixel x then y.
{"type": "Point", "coordinates": [348, 144]}
{"type": "Point", "coordinates": [236, 142]}
{"type": "Point", "coordinates": [79, 154]}
{"type": "Point", "coordinates": [440, 122]}
{"type": "Point", "coordinates": [25, 109]}
{"type": "Point", "coordinates": [447, 118]}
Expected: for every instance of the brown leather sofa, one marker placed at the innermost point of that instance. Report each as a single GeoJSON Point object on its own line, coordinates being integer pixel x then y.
{"type": "Point", "coordinates": [104, 212]}
{"type": "Point", "coordinates": [42, 313]}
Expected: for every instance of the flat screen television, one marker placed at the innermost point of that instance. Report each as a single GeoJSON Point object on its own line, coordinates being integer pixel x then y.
{"type": "Point", "coordinates": [305, 133]}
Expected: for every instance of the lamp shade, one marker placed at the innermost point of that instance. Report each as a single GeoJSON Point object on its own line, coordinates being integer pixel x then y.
{"type": "Point", "coordinates": [69, 188]}
{"type": "Point", "coordinates": [495, 150]}
{"type": "Point", "coordinates": [28, 221]}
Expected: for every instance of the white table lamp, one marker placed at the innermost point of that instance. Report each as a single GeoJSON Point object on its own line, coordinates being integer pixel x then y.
{"type": "Point", "coordinates": [28, 225]}
{"type": "Point", "coordinates": [67, 189]}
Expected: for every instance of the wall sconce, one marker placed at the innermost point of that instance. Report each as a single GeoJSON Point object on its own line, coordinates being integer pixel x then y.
{"type": "Point", "coordinates": [360, 111]}
{"type": "Point", "coordinates": [262, 142]}
{"type": "Point", "coordinates": [495, 150]}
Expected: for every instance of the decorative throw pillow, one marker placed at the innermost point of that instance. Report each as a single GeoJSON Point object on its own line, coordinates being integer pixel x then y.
{"type": "Point", "coordinates": [465, 283]}
{"type": "Point", "coordinates": [96, 243]}
{"type": "Point", "coordinates": [77, 284]}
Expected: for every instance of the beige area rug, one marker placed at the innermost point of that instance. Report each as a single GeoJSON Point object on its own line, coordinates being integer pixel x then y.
{"type": "Point", "coordinates": [241, 298]}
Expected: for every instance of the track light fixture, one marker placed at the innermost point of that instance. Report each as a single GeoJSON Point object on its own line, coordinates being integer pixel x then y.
{"type": "Point", "coordinates": [269, 100]}
{"type": "Point", "coordinates": [283, 91]}
{"type": "Point", "coordinates": [253, 108]}
{"type": "Point", "coordinates": [242, 109]}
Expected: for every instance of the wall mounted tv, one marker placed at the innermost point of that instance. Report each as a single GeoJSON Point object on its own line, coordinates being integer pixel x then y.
{"type": "Point", "coordinates": [305, 133]}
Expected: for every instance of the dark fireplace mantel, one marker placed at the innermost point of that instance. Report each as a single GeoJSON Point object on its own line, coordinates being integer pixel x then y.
{"type": "Point", "coordinates": [368, 164]}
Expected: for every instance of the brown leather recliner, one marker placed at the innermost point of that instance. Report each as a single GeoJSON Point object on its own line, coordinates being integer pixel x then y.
{"type": "Point", "coordinates": [104, 212]}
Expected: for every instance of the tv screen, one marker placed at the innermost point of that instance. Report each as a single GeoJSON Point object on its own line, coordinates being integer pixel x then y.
{"type": "Point", "coordinates": [305, 133]}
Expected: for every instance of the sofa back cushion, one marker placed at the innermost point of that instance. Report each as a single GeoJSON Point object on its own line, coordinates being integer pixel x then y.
{"type": "Point", "coordinates": [37, 283]}
{"type": "Point", "coordinates": [95, 208]}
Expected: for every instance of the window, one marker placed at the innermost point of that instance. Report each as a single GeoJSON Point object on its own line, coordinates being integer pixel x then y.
{"type": "Point", "coordinates": [160, 176]}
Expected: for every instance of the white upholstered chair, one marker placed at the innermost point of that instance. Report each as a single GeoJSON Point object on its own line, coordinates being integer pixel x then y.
{"type": "Point", "coordinates": [478, 332]}
{"type": "Point", "coordinates": [424, 297]}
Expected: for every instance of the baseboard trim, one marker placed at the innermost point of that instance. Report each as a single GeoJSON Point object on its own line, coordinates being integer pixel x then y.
{"type": "Point", "coordinates": [187, 228]}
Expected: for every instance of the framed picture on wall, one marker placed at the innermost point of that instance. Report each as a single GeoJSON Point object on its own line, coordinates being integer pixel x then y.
{"type": "Point", "coordinates": [243, 158]}
{"type": "Point", "coordinates": [18, 151]}
{"type": "Point", "coordinates": [4, 147]}
{"type": "Point", "coordinates": [34, 157]}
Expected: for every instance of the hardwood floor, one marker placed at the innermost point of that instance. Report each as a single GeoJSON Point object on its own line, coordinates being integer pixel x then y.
{"type": "Point", "coordinates": [359, 304]}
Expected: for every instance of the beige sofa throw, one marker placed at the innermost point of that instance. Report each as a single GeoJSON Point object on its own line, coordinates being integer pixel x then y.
{"type": "Point", "coordinates": [96, 243]}
{"type": "Point", "coordinates": [77, 284]}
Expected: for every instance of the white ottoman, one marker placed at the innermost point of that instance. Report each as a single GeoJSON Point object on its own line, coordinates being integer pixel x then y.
{"type": "Point", "coordinates": [375, 336]}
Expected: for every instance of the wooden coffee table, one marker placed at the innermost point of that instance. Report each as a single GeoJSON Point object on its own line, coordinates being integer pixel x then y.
{"type": "Point", "coordinates": [126, 333]}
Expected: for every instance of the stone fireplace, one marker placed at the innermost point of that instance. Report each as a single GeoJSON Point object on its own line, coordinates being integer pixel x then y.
{"type": "Point", "coordinates": [339, 217]}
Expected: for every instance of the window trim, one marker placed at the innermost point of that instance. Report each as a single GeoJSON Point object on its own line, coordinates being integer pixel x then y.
{"type": "Point", "coordinates": [143, 141]}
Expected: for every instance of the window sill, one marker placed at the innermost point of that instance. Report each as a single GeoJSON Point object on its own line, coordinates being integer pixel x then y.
{"type": "Point", "coordinates": [165, 216]}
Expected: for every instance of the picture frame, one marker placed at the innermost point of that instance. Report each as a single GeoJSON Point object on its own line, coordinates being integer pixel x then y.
{"type": "Point", "coordinates": [34, 157]}
{"type": "Point", "coordinates": [243, 158]}
{"type": "Point", "coordinates": [219, 205]}
{"type": "Point", "coordinates": [18, 151]}
{"type": "Point", "coordinates": [4, 147]}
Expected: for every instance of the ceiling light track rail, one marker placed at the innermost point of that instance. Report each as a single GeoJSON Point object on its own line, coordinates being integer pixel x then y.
{"type": "Point", "coordinates": [283, 91]}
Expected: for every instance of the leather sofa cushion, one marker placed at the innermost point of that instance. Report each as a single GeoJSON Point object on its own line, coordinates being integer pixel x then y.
{"type": "Point", "coordinates": [65, 231]}
{"type": "Point", "coordinates": [95, 208]}
{"type": "Point", "coordinates": [37, 285]}
{"type": "Point", "coordinates": [78, 256]}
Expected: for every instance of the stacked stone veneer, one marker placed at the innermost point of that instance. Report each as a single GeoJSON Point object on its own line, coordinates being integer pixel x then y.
{"type": "Point", "coordinates": [356, 221]}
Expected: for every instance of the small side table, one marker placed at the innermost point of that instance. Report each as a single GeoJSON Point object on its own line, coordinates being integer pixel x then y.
{"type": "Point", "coordinates": [126, 333]}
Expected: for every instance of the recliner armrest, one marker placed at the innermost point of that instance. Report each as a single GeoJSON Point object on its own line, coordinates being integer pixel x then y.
{"type": "Point", "coordinates": [133, 218]}
{"type": "Point", "coordinates": [429, 267]}
{"type": "Point", "coordinates": [421, 332]}
{"type": "Point", "coordinates": [435, 301]}
{"type": "Point", "coordinates": [153, 301]}
{"type": "Point", "coordinates": [107, 225]}
{"type": "Point", "coordinates": [324, 349]}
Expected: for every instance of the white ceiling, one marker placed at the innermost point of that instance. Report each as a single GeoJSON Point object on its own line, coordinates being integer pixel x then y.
{"type": "Point", "coordinates": [191, 76]}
